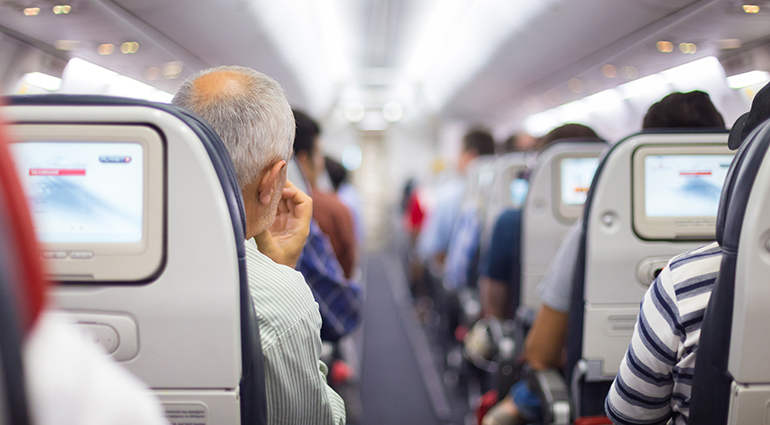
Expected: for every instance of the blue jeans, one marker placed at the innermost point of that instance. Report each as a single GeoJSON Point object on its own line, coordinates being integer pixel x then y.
{"type": "Point", "coordinates": [527, 402]}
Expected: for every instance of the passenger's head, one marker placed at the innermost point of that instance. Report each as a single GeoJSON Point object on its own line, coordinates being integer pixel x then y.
{"type": "Point", "coordinates": [476, 142]}
{"type": "Point", "coordinates": [251, 115]}
{"type": "Point", "coordinates": [337, 172]}
{"type": "Point", "coordinates": [520, 142]}
{"type": "Point", "coordinates": [566, 131]}
{"type": "Point", "coordinates": [759, 113]}
{"type": "Point", "coordinates": [307, 147]}
{"type": "Point", "coordinates": [683, 110]}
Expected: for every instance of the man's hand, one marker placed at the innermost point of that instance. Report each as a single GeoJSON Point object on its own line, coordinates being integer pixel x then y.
{"type": "Point", "coordinates": [284, 241]}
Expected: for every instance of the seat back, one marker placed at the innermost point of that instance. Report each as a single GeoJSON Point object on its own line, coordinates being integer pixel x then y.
{"type": "Point", "coordinates": [547, 213]}
{"type": "Point", "coordinates": [508, 190]}
{"type": "Point", "coordinates": [185, 322]}
{"type": "Point", "coordinates": [731, 380]}
{"type": "Point", "coordinates": [654, 196]}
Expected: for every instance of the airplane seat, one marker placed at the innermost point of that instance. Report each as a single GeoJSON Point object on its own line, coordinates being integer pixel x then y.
{"type": "Point", "coordinates": [554, 201]}
{"type": "Point", "coordinates": [153, 264]}
{"type": "Point", "coordinates": [731, 381]}
{"type": "Point", "coordinates": [630, 230]}
{"type": "Point", "coordinates": [507, 191]}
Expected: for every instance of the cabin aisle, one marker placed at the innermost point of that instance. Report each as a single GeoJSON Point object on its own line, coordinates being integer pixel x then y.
{"type": "Point", "coordinates": [399, 380]}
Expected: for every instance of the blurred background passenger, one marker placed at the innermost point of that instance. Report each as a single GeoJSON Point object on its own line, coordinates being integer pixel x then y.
{"type": "Point", "coordinates": [338, 298]}
{"type": "Point", "coordinates": [546, 340]}
{"type": "Point", "coordinates": [348, 195]}
{"type": "Point", "coordinates": [519, 142]}
{"type": "Point", "coordinates": [332, 215]}
{"type": "Point", "coordinates": [683, 110]}
{"type": "Point", "coordinates": [436, 231]}
{"type": "Point", "coordinates": [501, 269]}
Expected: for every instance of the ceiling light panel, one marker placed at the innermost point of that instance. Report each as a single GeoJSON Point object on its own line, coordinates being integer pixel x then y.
{"type": "Point", "coordinates": [457, 38]}
{"type": "Point", "coordinates": [316, 42]}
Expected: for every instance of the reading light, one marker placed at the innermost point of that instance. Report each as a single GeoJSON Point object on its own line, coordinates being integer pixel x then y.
{"type": "Point", "coordinates": [629, 72]}
{"type": "Point", "coordinates": [688, 48]}
{"type": "Point", "coordinates": [575, 85]}
{"type": "Point", "coordinates": [31, 11]}
{"type": "Point", "coordinates": [751, 8]}
{"type": "Point", "coordinates": [106, 49]}
{"type": "Point", "coordinates": [172, 70]}
{"type": "Point", "coordinates": [665, 46]}
{"type": "Point", "coordinates": [129, 47]}
{"type": "Point", "coordinates": [609, 71]}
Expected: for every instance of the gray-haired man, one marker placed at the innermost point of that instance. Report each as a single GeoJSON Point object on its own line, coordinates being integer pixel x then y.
{"type": "Point", "coordinates": [250, 113]}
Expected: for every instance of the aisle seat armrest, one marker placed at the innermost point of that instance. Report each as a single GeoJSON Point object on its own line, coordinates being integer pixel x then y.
{"type": "Point", "coordinates": [553, 392]}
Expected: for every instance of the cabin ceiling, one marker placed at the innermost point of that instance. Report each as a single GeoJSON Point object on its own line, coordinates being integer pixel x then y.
{"type": "Point", "coordinates": [476, 61]}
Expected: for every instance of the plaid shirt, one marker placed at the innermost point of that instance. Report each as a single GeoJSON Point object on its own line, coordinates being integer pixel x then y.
{"type": "Point", "coordinates": [339, 299]}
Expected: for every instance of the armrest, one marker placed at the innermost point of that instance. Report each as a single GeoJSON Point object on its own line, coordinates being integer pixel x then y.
{"type": "Point", "coordinates": [553, 392]}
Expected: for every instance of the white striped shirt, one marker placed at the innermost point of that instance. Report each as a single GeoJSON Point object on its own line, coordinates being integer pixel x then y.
{"type": "Point", "coordinates": [654, 383]}
{"type": "Point", "coordinates": [290, 330]}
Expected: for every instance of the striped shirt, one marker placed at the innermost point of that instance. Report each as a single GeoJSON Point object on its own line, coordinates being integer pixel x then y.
{"type": "Point", "coordinates": [655, 379]}
{"type": "Point", "coordinates": [289, 326]}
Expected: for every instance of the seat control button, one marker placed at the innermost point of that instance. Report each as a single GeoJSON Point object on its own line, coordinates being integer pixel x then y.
{"type": "Point", "coordinates": [105, 335]}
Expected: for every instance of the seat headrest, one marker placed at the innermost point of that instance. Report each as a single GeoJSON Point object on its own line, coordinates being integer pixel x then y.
{"type": "Point", "coordinates": [30, 286]}
{"type": "Point", "coordinates": [760, 111]}
{"type": "Point", "coordinates": [744, 169]}
{"type": "Point", "coordinates": [727, 190]}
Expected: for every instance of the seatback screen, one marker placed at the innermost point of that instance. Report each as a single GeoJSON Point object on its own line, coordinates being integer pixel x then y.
{"type": "Point", "coordinates": [677, 186]}
{"type": "Point", "coordinates": [576, 177]}
{"type": "Point", "coordinates": [684, 185]}
{"type": "Point", "coordinates": [83, 192]}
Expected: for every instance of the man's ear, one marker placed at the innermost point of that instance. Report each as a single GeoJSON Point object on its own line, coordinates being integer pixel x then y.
{"type": "Point", "coordinates": [268, 180]}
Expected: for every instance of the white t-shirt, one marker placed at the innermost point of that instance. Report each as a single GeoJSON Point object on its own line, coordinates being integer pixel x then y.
{"type": "Point", "coordinates": [71, 381]}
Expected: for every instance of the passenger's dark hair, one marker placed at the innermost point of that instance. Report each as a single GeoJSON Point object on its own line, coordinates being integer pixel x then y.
{"type": "Point", "coordinates": [509, 145]}
{"type": "Point", "coordinates": [307, 131]}
{"type": "Point", "coordinates": [688, 110]}
{"type": "Point", "coordinates": [567, 131]}
{"type": "Point", "coordinates": [337, 172]}
{"type": "Point", "coordinates": [480, 141]}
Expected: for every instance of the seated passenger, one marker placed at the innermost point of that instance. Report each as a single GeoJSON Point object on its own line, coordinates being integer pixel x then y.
{"type": "Point", "coordinates": [654, 382]}
{"type": "Point", "coordinates": [348, 195]}
{"type": "Point", "coordinates": [250, 113]}
{"type": "Point", "coordinates": [332, 216]}
{"type": "Point", "coordinates": [547, 337]}
{"type": "Point", "coordinates": [339, 299]}
{"type": "Point", "coordinates": [501, 269]}
{"type": "Point", "coordinates": [435, 235]}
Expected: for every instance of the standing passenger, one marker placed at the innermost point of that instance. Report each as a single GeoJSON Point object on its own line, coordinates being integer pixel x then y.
{"type": "Point", "coordinates": [250, 113]}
